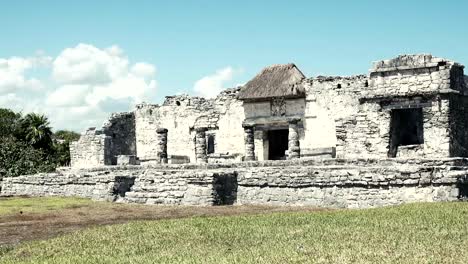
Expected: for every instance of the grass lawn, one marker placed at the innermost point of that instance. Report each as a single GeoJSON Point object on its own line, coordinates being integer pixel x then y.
{"type": "Point", "coordinates": [414, 233]}
{"type": "Point", "coordinates": [39, 204]}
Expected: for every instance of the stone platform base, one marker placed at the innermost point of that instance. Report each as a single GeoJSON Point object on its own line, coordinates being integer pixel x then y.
{"type": "Point", "coordinates": [335, 183]}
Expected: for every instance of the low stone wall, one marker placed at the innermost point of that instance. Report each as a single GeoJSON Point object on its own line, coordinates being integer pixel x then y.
{"type": "Point", "coordinates": [339, 183]}
{"type": "Point", "coordinates": [349, 187]}
{"type": "Point", "coordinates": [97, 185]}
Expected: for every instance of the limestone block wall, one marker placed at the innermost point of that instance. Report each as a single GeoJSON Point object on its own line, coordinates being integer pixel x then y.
{"type": "Point", "coordinates": [458, 116]}
{"type": "Point", "coordinates": [91, 150]}
{"type": "Point", "coordinates": [120, 127]}
{"type": "Point", "coordinates": [409, 75]}
{"type": "Point", "coordinates": [97, 185]}
{"type": "Point", "coordinates": [343, 183]}
{"type": "Point", "coordinates": [367, 134]}
{"type": "Point", "coordinates": [408, 82]}
{"type": "Point", "coordinates": [222, 117]}
{"type": "Point", "coordinates": [173, 186]}
{"type": "Point", "coordinates": [101, 147]}
{"type": "Point", "coordinates": [329, 99]}
{"type": "Point", "coordinates": [230, 134]}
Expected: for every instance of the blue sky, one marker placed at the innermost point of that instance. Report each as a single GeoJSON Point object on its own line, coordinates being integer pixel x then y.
{"type": "Point", "coordinates": [187, 41]}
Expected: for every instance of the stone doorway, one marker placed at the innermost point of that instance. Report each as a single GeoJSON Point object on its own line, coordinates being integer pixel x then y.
{"type": "Point", "coordinates": [277, 144]}
{"type": "Point", "coordinates": [406, 129]}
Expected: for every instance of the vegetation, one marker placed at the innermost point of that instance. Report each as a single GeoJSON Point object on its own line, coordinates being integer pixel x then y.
{"type": "Point", "coordinates": [39, 204]}
{"type": "Point", "coordinates": [28, 144]}
{"type": "Point", "coordinates": [414, 233]}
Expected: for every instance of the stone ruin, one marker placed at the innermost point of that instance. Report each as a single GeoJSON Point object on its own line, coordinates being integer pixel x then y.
{"type": "Point", "coordinates": [393, 136]}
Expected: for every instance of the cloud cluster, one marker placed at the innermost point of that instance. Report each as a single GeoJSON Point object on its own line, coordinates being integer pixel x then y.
{"type": "Point", "coordinates": [12, 74]}
{"type": "Point", "coordinates": [82, 86]}
{"type": "Point", "coordinates": [211, 85]}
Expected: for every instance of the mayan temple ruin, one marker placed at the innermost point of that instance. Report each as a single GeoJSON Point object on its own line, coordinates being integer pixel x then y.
{"type": "Point", "coordinates": [397, 134]}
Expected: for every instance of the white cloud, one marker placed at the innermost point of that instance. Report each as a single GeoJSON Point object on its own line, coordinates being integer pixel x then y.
{"type": "Point", "coordinates": [68, 95]}
{"type": "Point", "coordinates": [13, 74]}
{"type": "Point", "coordinates": [86, 84]}
{"type": "Point", "coordinates": [143, 70]}
{"type": "Point", "coordinates": [88, 64]}
{"type": "Point", "coordinates": [211, 85]}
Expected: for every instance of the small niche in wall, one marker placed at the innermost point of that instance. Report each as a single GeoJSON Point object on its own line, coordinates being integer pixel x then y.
{"type": "Point", "coordinates": [338, 86]}
{"type": "Point", "coordinates": [177, 103]}
{"type": "Point", "coordinates": [366, 84]}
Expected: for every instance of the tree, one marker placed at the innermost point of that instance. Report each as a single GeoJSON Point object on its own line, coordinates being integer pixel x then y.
{"type": "Point", "coordinates": [66, 135]}
{"type": "Point", "coordinates": [9, 123]}
{"type": "Point", "coordinates": [62, 139]}
{"type": "Point", "coordinates": [36, 131]}
{"type": "Point", "coordinates": [27, 144]}
{"type": "Point", "coordinates": [18, 158]}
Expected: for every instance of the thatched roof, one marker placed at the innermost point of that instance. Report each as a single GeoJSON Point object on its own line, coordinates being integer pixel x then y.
{"type": "Point", "coordinates": [282, 80]}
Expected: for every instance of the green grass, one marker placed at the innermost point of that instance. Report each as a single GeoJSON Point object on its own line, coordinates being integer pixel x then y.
{"type": "Point", "coordinates": [414, 233]}
{"type": "Point", "coordinates": [39, 204]}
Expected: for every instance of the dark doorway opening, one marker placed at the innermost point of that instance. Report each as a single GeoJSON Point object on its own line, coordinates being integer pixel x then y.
{"type": "Point", "coordinates": [406, 128]}
{"type": "Point", "coordinates": [210, 146]}
{"type": "Point", "coordinates": [278, 144]}
{"type": "Point", "coordinates": [225, 189]}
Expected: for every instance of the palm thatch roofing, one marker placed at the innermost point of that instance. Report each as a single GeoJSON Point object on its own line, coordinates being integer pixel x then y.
{"type": "Point", "coordinates": [281, 80]}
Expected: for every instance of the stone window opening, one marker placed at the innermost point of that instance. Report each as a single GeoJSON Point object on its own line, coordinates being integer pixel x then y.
{"type": "Point", "coordinates": [406, 128]}
{"type": "Point", "coordinates": [177, 103]}
{"type": "Point", "coordinates": [210, 144]}
{"type": "Point", "coordinates": [338, 86]}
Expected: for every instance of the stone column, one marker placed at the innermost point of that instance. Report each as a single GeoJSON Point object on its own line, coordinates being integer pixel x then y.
{"type": "Point", "coordinates": [161, 151]}
{"type": "Point", "coordinates": [200, 145]}
{"type": "Point", "coordinates": [249, 143]}
{"type": "Point", "coordinates": [294, 150]}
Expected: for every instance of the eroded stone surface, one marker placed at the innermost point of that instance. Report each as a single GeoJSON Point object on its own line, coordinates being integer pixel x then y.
{"type": "Point", "coordinates": [326, 183]}
{"type": "Point", "coordinates": [412, 109]}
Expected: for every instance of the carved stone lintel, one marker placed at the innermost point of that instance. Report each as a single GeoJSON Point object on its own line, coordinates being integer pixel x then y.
{"type": "Point", "coordinates": [278, 106]}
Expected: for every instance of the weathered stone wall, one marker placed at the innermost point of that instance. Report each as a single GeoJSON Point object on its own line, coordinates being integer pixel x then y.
{"type": "Point", "coordinates": [101, 147]}
{"type": "Point", "coordinates": [120, 127]}
{"type": "Point", "coordinates": [408, 82]}
{"type": "Point", "coordinates": [166, 186]}
{"type": "Point", "coordinates": [349, 186]}
{"type": "Point", "coordinates": [410, 75]}
{"type": "Point", "coordinates": [95, 185]}
{"type": "Point", "coordinates": [328, 183]}
{"type": "Point", "coordinates": [91, 150]}
{"type": "Point", "coordinates": [329, 99]}
{"type": "Point", "coordinates": [458, 117]}
{"type": "Point", "coordinates": [222, 117]}
{"type": "Point", "coordinates": [367, 134]}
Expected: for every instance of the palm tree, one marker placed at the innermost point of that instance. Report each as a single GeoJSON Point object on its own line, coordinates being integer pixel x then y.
{"type": "Point", "coordinates": [36, 130]}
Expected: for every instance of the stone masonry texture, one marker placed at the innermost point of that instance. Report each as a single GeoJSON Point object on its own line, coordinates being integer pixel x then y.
{"type": "Point", "coordinates": [339, 183]}
{"type": "Point", "coordinates": [397, 134]}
